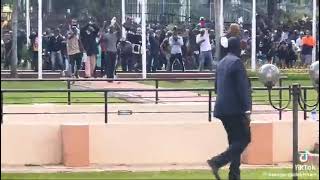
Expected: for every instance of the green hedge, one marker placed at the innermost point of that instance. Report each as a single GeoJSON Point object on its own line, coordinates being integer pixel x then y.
{"type": "Point", "coordinates": [290, 75]}
{"type": "Point", "coordinates": [294, 71]}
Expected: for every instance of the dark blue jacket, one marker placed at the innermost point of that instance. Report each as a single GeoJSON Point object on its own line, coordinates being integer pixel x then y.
{"type": "Point", "coordinates": [154, 45]}
{"type": "Point", "coordinates": [233, 88]}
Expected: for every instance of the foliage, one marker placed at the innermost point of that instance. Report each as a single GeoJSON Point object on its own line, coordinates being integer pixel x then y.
{"type": "Point", "coordinates": [3, 2]}
{"type": "Point", "coordinates": [292, 74]}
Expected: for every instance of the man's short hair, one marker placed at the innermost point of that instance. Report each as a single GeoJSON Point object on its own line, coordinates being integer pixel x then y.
{"type": "Point", "coordinates": [234, 29]}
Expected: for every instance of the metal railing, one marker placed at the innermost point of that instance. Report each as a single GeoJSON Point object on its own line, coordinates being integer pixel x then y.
{"type": "Point", "coordinates": [106, 93]}
{"type": "Point", "coordinates": [155, 80]}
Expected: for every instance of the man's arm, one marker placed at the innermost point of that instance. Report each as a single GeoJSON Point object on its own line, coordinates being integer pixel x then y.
{"type": "Point", "coordinates": [161, 46]}
{"type": "Point", "coordinates": [171, 41]}
{"type": "Point", "coordinates": [243, 88]}
{"type": "Point", "coordinates": [70, 34]}
{"type": "Point", "coordinates": [199, 40]}
{"type": "Point", "coordinates": [118, 29]}
{"type": "Point", "coordinates": [180, 41]}
{"type": "Point", "coordinates": [216, 82]}
{"type": "Point", "coordinates": [104, 26]}
{"type": "Point", "coordinates": [96, 28]}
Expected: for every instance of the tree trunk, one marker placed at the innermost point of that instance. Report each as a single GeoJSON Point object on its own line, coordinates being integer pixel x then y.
{"type": "Point", "coordinates": [14, 58]}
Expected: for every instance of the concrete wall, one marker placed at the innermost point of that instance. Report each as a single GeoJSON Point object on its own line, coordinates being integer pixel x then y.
{"type": "Point", "coordinates": [152, 143]}
{"type": "Point", "coordinates": [156, 144]}
{"type": "Point", "coordinates": [308, 136]}
{"type": "Point", "coordinates": [272, 142]}
{"type": "Point", "coordinates": [31, 144]}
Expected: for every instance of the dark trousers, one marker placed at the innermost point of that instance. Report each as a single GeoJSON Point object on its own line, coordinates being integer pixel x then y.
{"type": "Point", "coordinates": [103, 62]}
{"type": "Point", "coordinates": [196, 60]}
{"type": "Point", "coordinates": [56, 57]}
{"type": "Point", "coordinates": [110, 65]}
{"type": "Point", "coordinates": [8, 57]}
{"type": "Point", "coordinates": [19, 54]}
{"type": "Point", "coordinates": [153, 62]}
{"type": "Point", "coordinates": [162, 61]}
{"type": "Point", "coordinates": [75, 62]}
{"type": "Point", "coordinates": [137, 61]}
{"type": "Point", "coordinates": [126, 62]}
{"type": "Point", "coordinates": [35, 61]}
{"type": "Point", "coordinates": [239, 136]}
{"type": "Point", "coordinates": [175, 57]}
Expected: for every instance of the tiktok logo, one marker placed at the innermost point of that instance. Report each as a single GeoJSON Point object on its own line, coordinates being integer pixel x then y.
{"type": "Point", "coordinates": [304, 157]}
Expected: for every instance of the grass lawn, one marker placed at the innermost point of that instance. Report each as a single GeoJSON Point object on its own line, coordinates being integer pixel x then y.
{"type": "Point", "coordinates": [61, 98]}
{"type": "Point", "coordinates": [252, 174]}
{"type": "Point", "coordinates": [259, 97]}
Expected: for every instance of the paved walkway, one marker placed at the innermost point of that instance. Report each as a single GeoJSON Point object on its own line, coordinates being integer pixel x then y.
{"type": "Point", "coordinates": [131, 168]}
{"type": "Point", "coordinates": [164, 97]}
{"type": "Point", "coordinates": [170, 113]}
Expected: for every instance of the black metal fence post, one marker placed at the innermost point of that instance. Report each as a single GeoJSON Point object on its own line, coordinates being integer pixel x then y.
{"type": "Point", "coordinates": [305, 108]}
{"type": "Point", "coordinates": [1, 107]}
{"type": "Point", "coordinates": [210, 105]}
{"type": "Point", "coordinates": [280, 101]}
{"type": "Point", "coordinates": [157, 92]}
{"type": "Point", "coordinates": [69, 92]}
{"type": "Point", "coordinates": [295, 94]}
{"type": "Point", "coordinates": [106, 107]}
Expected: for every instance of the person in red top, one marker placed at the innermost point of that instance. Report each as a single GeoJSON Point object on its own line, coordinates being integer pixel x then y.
{"type": "Point", "coordinates": [308, 43]}
{"type": "Point", "coordinates": [202, 22]}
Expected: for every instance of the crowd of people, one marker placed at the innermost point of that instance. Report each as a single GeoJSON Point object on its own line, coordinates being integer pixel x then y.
{"type": "Point", "coordinates": [287, 46]}
{"type": "Point", "coordinates": [168, 48]}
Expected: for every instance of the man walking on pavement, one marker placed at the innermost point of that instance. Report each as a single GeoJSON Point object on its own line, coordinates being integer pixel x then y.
{"type": "Point", "coordinates": [233, 107]}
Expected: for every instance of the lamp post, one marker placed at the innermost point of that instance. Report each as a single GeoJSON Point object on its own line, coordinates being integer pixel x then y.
{"type": "Point", "coordinates": [269, 76]}
{"type": "Point", "coordinates": [28, 21]}
{"type": "Point", "coordinates": [123, 14]}
{"type": "Point", "coordinates": [39, 39]}
{"type": "Point", "coordinates": [314, 28]}
{"type": "Point", "coordinates": [144, 38]}
{"type": "Point", "coordinates": [254, 36]}
{"type": "Point", "coordinates": [219, 26]}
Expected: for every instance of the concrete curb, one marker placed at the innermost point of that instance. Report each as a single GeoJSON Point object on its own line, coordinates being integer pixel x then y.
{"type": "Point", "coordinates": [130, 168]}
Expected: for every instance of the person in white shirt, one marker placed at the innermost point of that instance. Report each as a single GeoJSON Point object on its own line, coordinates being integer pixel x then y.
{"type": "Point", "coordinates": [203, 39]}
{"type": "Point", "coordinates": [176, 42]}
{"type": "Point", "coordinates": [285, 36]}
{"type": "Point", "coordinates": [299, 49]}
